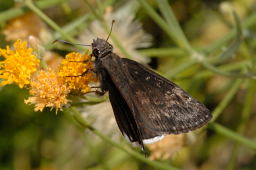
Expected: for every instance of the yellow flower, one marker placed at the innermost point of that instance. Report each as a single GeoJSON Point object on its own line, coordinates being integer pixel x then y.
{"type": "Point", "coordinates": [47, 90]}
{"type": "Point", "coordinates": [76, 71]}
{"type": "Point", "coordinates": [19, 64]}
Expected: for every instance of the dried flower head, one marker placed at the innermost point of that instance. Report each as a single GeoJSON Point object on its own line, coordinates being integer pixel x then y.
{"type": "Point", "coordinates": [76, 72]}
{"type": "Point", "coordinates": [47, 90]}
{"type": "Point", "coordinates": [167, 147]}
{"type": "Point", "coordinates": [26, 25]}
{"type": "Point", "coordinates": [101, 116]}
{"type": "Point", "coordinates": [19, 64]}
{"type": "Point", "coordinates": [128, 31]}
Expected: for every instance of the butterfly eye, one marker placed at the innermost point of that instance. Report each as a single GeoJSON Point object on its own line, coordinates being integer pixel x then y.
{"type": "Point", "coordinates": [96, 52]}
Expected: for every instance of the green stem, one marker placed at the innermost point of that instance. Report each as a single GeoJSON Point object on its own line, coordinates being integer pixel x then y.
{"type": "Point", "coordinates": [249, 105]}
{"type": "Point", "coordinates": [226, 74]}
{"type": "Point", "coordinates": [14, 12]}
{"type": "Point", "coordinates": [179, 68]}
{"type": "Point", "coordinates": [43, 64]}
{"type": "Point", "coordinates": [232, 135]}
{"type": "Point", "coordinates": [162, 52]}
{"type": "Point", "coordinates": [230, 94]}
{"type": "Point", "coordinates": [49, 21]}
{"type": "Point", "coordinates": [84, 125]}
{"type": "Point", "coordinates": [247, 110]}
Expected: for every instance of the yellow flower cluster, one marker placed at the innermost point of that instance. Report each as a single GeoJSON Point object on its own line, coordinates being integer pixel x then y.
{"type": "Point", "coordinates": [76, 71]}
{"type": "Point", "coordinates": [19, 64]}
{"type": "Point", "coordinates": [48, 88]}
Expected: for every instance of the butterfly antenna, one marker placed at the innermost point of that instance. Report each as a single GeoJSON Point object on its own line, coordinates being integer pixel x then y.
{"type": "Point", "coordinates": [66, 42]}
{"type": "Point", "coordinates": [113, 21]}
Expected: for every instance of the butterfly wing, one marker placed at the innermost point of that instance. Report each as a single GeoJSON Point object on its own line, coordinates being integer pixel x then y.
{"type": "Point", "coordinates": [124, 118]}
{"type": "Point", "coordinates": [158, 106]}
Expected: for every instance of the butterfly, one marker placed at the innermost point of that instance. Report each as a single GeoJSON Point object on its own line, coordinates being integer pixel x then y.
{"type": "Point", "coordinates": [146, 105]}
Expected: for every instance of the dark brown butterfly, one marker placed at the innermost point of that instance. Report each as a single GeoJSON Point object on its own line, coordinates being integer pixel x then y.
{"type": "Point", "coordinates": [146, 105]}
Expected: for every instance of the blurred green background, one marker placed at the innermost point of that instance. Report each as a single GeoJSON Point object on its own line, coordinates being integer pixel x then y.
{"type": "Point", "coordinates": [210, 54]}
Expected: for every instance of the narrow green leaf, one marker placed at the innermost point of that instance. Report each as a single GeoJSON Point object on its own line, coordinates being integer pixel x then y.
{"type": "Point", "coordinates": [173, 24]}
{"type": "Point", "coordinates": [249, 22]}
{"type": "Point", "coordinates": [224, 68]}
{"type": "Point", "coordinates": [233, 135]}
{"type": "Point", "coordinates": [227, 74]}
{"type": "Point", "coordinates": [163, 52]}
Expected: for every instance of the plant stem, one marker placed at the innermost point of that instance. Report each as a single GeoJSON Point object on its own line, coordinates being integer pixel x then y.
{"type": "Point", "coordinates": [232, 135]}
{"type": "Point", "coordinates": [179, 68]}
{"type": "Point", "coordinates": [163, 52]}
{"type": "Point", "coordinates": [230, 94]}
{"type": "Point", "coordinates": [247, 110]}
{"type": "Point", "coordinates": [227, 67]}
{"type": "Point", "coordinates": [227, 74]}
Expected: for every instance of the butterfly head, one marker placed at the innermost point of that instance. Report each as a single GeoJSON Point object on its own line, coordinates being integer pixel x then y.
{"type": "Point", "coordinates": [100, 48]}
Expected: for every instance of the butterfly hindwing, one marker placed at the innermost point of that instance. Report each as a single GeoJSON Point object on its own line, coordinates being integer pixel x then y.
{"type": "Point", "coordinates": [124, 117]}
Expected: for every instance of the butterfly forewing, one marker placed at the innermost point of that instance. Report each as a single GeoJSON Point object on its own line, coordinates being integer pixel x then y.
{"type": "Point", "coordinates": [167, 107]}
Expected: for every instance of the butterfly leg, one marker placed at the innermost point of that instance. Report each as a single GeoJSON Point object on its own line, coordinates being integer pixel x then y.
{"type": "Point", "coordinates": [84, 73]}
{"type": "Point", "coordinates": [98, 92]}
